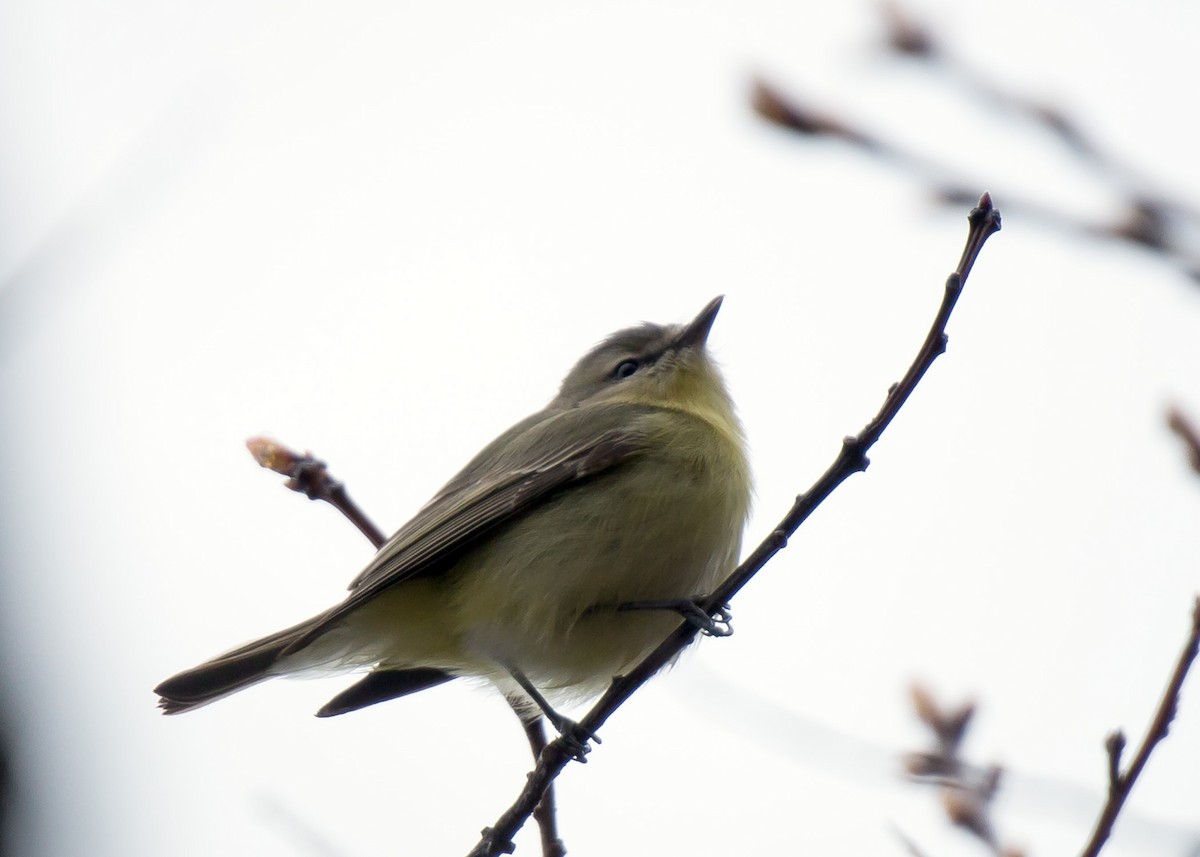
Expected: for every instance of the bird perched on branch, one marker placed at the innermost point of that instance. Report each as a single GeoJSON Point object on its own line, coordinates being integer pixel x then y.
{"type": "Point", "coordinates": [558, 558]}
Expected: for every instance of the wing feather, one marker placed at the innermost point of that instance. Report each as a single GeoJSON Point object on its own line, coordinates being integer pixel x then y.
{"type": "Point", "coordinates": [467, 510]}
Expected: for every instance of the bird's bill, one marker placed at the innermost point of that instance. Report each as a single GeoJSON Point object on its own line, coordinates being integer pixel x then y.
{"type": "Point", "coordinates": [695, 334]}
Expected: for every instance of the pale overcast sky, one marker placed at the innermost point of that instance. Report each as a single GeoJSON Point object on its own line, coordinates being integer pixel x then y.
{"type": "Point", "coordinates": [383, 232]}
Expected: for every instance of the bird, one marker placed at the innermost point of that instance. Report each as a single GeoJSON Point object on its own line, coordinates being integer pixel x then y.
{"type": "Point", "coordinates": [560, 556]}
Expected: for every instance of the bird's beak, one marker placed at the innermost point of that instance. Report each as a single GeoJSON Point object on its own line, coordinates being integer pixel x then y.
{"type": "Point", "coordinates": [695, 334]}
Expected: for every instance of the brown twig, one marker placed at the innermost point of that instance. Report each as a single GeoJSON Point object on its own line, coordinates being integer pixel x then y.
{"type": "Point", "coordinates": [796, 115]}
{"type": "Point", "coordinates": [1120, 784]}
{"type": "Point", "coordinates": [309, 476]}
{"type": "Point", "coordinates": [1187, 431]}
{"type": "Point", "coordinates": [545, 813]}
{"type": "Point", "coordinates": [772, 105]}
{"type": "Point", "coordinates": [984, 221]}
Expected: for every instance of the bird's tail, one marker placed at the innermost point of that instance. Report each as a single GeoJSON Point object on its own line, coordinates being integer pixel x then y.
{"type": "Point", "coordinates": [228, 673]}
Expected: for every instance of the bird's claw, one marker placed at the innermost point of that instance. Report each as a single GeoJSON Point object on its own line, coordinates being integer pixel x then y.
{"type": "Point", "coordinates": [575, 737]}
{"type": "Point", "coordinates": [718, 623]}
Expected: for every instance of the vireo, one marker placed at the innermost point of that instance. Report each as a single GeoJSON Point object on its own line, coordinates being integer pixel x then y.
{"type": "Point", "coordinates": [555, 560]}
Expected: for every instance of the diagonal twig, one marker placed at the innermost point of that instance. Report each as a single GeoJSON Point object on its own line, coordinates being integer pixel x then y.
{"type": "Point", "coordinates": [308, 475]}
{"type": "Point", "coordinates": [984, 220]}
{"type": "Point", "coordinates": [1120, 784]}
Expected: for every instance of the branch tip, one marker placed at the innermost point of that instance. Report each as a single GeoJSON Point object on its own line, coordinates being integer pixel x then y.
{"type": "Point", "coordinates": [1114, 744]}
{"type": "Point", "coordinates": [984, 215]}
{"type": "Point", "coordinates": [273, 455]}
{"type": "Point", "coordinates": [1120, 784]}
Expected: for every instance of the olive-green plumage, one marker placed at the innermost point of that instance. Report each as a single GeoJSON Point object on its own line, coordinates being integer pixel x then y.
{"type": "Point", "coordinates": [632, 486]}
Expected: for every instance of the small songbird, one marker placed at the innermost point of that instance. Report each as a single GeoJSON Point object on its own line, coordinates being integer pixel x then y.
{"type": "Point", "coordinates": [558, 558]}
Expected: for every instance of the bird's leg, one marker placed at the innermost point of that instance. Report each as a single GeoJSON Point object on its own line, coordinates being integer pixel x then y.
{"type": "Point", "coordinates": [719, 623]}
{"type": "Point", "coordinates": [575, 736]}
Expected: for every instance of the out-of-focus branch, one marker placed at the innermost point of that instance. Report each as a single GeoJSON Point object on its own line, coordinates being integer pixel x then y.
{"type": "Point", "coordinates": [309, 476]}
{"type": "Point", "coordinates": [967, 791]}
{"type": "Point", "coordinates": [797, 115]}
{"type": "Point", "coordinates": [984, 221]}
{"type": "Point", "coordinates": [1179, 423]}
{"type": "Point", "coordinates": [1120, 784]}
{"type": "Point", "coordinates": [909, 37]}
{"type": "Point", "coordinates": [771, 104]}
{"type": "Point", "coordinates": [1148, 217]}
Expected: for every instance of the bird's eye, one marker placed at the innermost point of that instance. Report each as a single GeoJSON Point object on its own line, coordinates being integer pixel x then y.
{"type": "Point", "coordinates": [625, 368]}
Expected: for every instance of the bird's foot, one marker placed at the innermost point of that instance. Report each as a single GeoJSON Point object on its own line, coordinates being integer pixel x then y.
{"type": "Point", "coordinates": [575, 737]}
{"type": "Point", "coordinates": [718, 623]}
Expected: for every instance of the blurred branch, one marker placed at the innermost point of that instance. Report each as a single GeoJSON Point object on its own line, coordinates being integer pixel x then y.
{"type": "Point", "coordinates": [817, 746]}
{"type": "Point", "coordinates": [966, 790]}
{"type": "Point", "coordinates": [984, 221]}
{"type": "Point", "coordinates": [771, 104]}
{"type": "Point", "coordinates": [1148, 217]}
{"type": "Point", "coordinates": [907, 36]}
{"type": "Point", "coordinates": [1179, 423]}
{"type": "Point", "coordinates": [309, 476]}
{"type": "Point", "coordinates": [1120, 784]}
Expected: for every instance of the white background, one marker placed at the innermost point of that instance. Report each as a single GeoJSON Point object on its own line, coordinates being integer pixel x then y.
{"type": "Point", "coordinates": [384, 231]}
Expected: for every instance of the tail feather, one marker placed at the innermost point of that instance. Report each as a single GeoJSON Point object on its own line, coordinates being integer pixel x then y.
{"type": "Point", "coordinates": [382, 685]}
{"type": "Point", "coordinates": [227, 673]}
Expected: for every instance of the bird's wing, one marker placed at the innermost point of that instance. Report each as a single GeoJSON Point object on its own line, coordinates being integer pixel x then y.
{"type": "Point", "coordinates": [504, 488]}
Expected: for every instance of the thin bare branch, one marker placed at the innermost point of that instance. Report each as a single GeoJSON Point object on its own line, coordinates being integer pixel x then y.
{"type": "Point", "coordinates": [984, 221]}
{"type": "Point", "coordinates": [1121, 784]}
{"type": "Point", "coordinates": [309, 476]}
{"type": "Point", "coordinates": [545, 813]}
